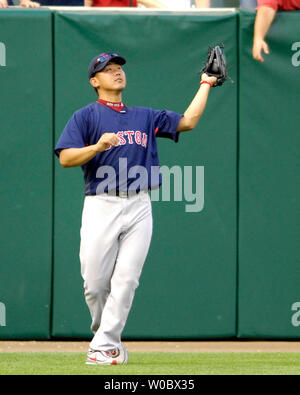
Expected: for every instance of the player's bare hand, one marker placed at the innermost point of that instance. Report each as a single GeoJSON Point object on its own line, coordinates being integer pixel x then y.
{"type": "Point", "coordinates": [29, 4]}
{"type": "Point", "coordinates": [212, 80]}
{"type": "Point", "coordinates": [259, 46]}
{"type": "Point", "coordinates": [106, 141]}
{"type": "Point", "coordinates": [3, 4]}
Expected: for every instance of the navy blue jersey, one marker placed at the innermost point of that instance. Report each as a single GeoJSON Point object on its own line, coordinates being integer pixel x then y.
{"type": "Point", "coordinates": [131, 166]}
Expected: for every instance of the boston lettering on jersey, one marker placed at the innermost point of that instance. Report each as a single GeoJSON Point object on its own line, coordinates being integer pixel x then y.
{"type": "Point", "coordinates": [128, 136]}
{"type": "Point", "coordinates": [133, 137]}
{"type": "Point", "coordinates": [137, 128]}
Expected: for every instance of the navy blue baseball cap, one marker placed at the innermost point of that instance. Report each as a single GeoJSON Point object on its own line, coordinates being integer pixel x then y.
{"type": "Point", "coordinates": [99, 62]}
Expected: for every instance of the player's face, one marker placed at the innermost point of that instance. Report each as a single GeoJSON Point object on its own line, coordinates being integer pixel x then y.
{"type": "Point", "coordinates": [112, 77]}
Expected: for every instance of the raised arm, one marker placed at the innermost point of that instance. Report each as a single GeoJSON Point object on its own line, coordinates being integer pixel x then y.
{"type": "Point", "coordinates": [195, 110]}
{"type": "Point", "coordinates": [264, 18]}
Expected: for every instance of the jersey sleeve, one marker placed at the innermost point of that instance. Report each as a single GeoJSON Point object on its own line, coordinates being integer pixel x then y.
{"type": "Point", "coordinates": [75, 133]}
{"type": "Point", "coordinates": [166, 124]}
{"type": "Point", "coordinates": [268, 3]}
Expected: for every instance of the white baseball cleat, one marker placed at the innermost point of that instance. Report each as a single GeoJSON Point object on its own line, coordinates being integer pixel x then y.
{"type": "Point", "coordinates": [123, 354]}
{"type": "Point", "coordinates": [116, 356]}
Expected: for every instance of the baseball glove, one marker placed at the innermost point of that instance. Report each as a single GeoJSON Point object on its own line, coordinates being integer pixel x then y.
{"type": "Point", "coordinates": [215, 65]}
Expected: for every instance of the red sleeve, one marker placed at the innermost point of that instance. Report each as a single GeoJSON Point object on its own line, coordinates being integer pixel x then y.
{"type": "Point", "coordinates": [268, 3]}
{"type": "Point", "coordinates": [115, 3]}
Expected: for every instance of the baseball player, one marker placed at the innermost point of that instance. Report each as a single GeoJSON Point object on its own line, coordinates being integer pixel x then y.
{"type": "Point", "coordinates": [116, 147]}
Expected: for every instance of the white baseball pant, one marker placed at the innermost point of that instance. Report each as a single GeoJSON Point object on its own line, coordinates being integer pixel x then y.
{"type": "Point", "coordinates": [115, 239]}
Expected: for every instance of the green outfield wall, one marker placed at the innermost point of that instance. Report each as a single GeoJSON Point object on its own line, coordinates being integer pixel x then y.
{"type": "Point", "coordinates": [224, 265]}
{"type": "Point", "coordinates": [26, 196]}
{"type": "Point", "coordinates": [269, 182]}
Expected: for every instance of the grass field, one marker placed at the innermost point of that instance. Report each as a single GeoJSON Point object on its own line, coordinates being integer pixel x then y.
{"type": "Point", "coordinates": [153, 363]}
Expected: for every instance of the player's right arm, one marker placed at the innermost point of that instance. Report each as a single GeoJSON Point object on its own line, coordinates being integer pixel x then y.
{"type": "Point", "coordinates": [72, 157]}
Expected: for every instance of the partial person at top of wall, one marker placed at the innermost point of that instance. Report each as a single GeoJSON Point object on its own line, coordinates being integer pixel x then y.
{"type": "Point", "coordinates": [202, 3]}
{"type": "Point", "coordinates": [172, 4]}
{"type": "Point", "coordinates": [185, 4]}
{"type": "Point", "coordinates": [22, 3]}
{"type": "Point", "coordinates": [35, 4]}
{"type": "Point", "coordinates": [265, 15]}
{"type": "Point", "coordinates": [124, 3]}
{"type": "Point", "coordinates": [65, 3]}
